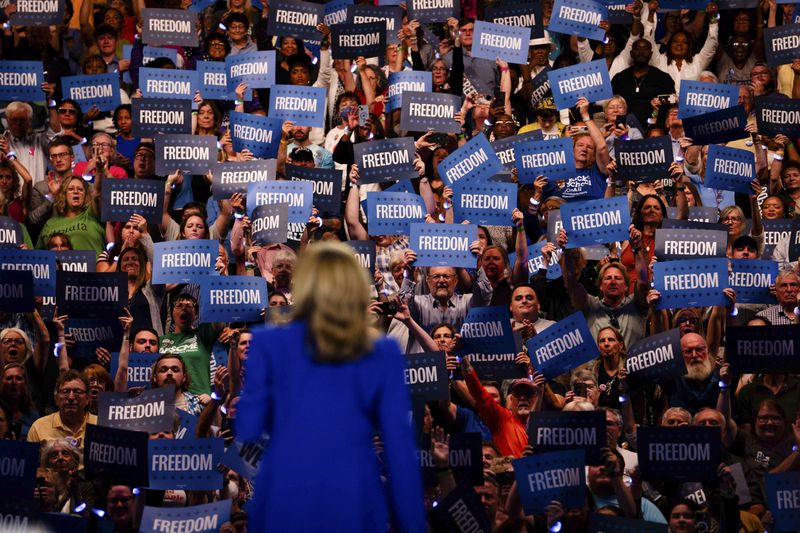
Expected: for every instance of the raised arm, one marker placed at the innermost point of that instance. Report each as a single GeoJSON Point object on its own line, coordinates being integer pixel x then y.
{"type": "Point", "coordinates": [520, 269]}
{"type": "Point", "coordinates": [578, 296]}
{"type": "Point", "coordinates": [43, 341]}
{"type": "Point", "coordinates": [352, 207]}
{"type": "Point", "coordinates": [602, 157]}
{"type": "Point", "coordinates": [123, 359]}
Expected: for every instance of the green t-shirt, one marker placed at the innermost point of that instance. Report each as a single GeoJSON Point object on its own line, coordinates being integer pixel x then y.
{"type": "Point", "coordinates": [195, 349]}
{"type": "Point", "coordinates": [84, 231]}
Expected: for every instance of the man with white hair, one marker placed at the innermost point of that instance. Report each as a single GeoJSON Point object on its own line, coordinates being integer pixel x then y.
{"type": "Point", "coordinates": [700, 386]}
{"type": "Point", "coordinates": [29, 148]}
{"type": "Point", "coordinates": [787, 287]}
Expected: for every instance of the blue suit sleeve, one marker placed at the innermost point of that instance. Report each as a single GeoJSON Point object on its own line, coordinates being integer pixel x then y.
{"type": "Point", "coordinates": [405, 478]}
{"type": "Point", "coordinates": [254, 406]}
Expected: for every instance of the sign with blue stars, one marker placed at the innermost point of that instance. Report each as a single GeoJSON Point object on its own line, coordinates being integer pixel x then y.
{"type": "Point", "coordinates": [690, 283]}
{"type": "Point", "coordinates": [504, 148]}
{"type": "Point", "coordinates": [680, 453]}
{"type": "Point", "coordinates": [717, 126]}
{"type": "Point", "coordinates": [233, 177]}
{"type": "Point", "coordinates": [363, 14]}
{"type": "Point", "coordinates": [232, 298]}
{"type": "Point", "coordinates": [11, 235]}
{"type": "Point", "coordinates": [41, 262]}
{"type": "Point", "coordinates": [699, 97]}
{"type": "Point", "coordinates": [168, 83]}
{"type": "Point", "coordinates": [206, 518]}
{"type": "Point", "coordinates": [140, 365]}
{"type": "Point", "coordinates": [509, 43]}
{"type": "Point", "coordinates": [173, 27]}
{"type": "Point", "coordinates": [187, 426]}
{"type": "Point", "coordinates": [294, 18]}
{"type": "Point", "coordinates": [776, 230]}
{"type": "Point", "coordinates": [782, 44]}
{"type": "Point", "coordinates": [617, 13]}
{"type": "Point", "coordinates": [298, 194]}
{"type": "Point", "coordinates": [517, 13]}
{"type": "Point", "coordinates": [212, 79]}
{"type": "Point", "coordinates": [256, 69]}
{"type": "Point", "coordinates": [428, 111]}
{"type": "Point", "coordinates": [563, 346]}
{"type": "Point", "coordinates": [656, 358]}
{"type": "Point", "coordinates": [327, 184]}
{"type": "Point", "coordinates": [475, 160]}
{"type": "Point", "coordinates": [775, 115]}
{"type": "Point", "coordinates": [185, 464]}
{"type": "Point", "coordinates": [589, 80]}
{"type": "Point", "coordinates": [151, 116]}
{"type": "Point", "coordinates": [392, 213]}
{"type": "Point", "coordinates": [553, 158]}
{"type": "Point", "coordinates": [93, 333]}
{"type": "Point", "coordinates": [603, 523]}
{"type": "Point", "coordinates": [466, 460]}
{"type": "Point", "coordinates": [16, 291]}
{"type": "Point", "coordinates": [596, 221]}
{"type": "Point", "coordinates": [245, 458]}
{"type": "Point", "coordinates": [117, 454]}
{"type": "Point", "coordinates": [488, 341]}
{"type": "Point", "coordinates": [336, 11]}
{"type": "Point", "coordinates": [182, 261]}
{"type": "Point", "coordinates": [782, 499]}
{"type": "Point", "coordinates": [76, 260]}
{"type": "Point", "coordinates": [304, 106]}
{"type": "Point", "coordinates": [461, 506]}
{"type": "Point", "coordinates": [751, 279]}
{"type": "Point", "coordinates": [579, 17]}
{"type": "Point", "coordinates": [555, 431]}
{"type": "Point", "coordinates": [260, 135]}
{"type": "Point", "coordinates": [426, 376]}
{"type": "Point", "coordinates": [407, 80]}
{"type": "Point", "coordinates": [487, 203]}
{"type": "Point", "coordinates": [152, 411]}
{"type": "Point", "coordinates": [545, 477]}
{"type": "Point", "coordinates": [42, 13]}
{"type": "Point", "coordinates": [676, 244]}
{"type": "Point", "coordinates": [426, 11]}
{"type": "Point", "coordinates": [124, 198]}
{"type": "Point", "coordinates": [91, 294]}
{"type": "Point", "coordinates": [365, 253]}
{"type": "Point", "coordinates": [21, 80]}
{"type": "Point", "coordinates": [765, 349]}
{"type": "Point", "coordinates": [643, 159]}
{"type": "Point", "coordinates": [270, 224]}
{"type": "Point", "coordinates": [385, 160]}
{"type": "Point", "coordinates": [730, 169]}
{"type": "Point", "coordinates": [444, 244]}
{"type": "Point", "coordinates": [20, 460]}
{"type": "Point", "coordinates": [358, 40]}
{"type": "Point", "coordinates": [536, 261]}
{"type": "Point", "coordinates": [191, 153]}
{"type": "Point", "coordinates": [101, 90]}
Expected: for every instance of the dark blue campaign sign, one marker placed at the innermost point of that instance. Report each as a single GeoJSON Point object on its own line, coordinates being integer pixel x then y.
{"type": "Point", "coordinates": [20, 460]}
{"type": "Point", "coordinates": [700, 97]}
{"type": "Point", "coordinates": [191, 153]}
{"type": "Point", "coordinates": [751, 279]}
{"type": "Point", "coordinates": [392, 213]}
{"type": "Point", "coordinates": [11, 235]}
{"type": "Point", "coordinates": [461, 510]}
{"type": "Point", "coordinates": [680, 453]}
{"type": "Point", "coordinates": [553, 158]}
{"type": "Point", "coordinates": [152, 411]}
{"type": "Point", "coordinates": [509, 43]}
{"type": "Point", "coordinates": [643, 159]}
{"type": "Point", "coordinates": [765, 349]}
{"type": "Point", "coordinates": [270, 224]}
{"type": "Point", "coordinates": [782, 44]}
{"type": "Point", "coordinates": [294, 18]}
{"type": "Point", "coordinates": [487, 203]}
{"type": "Point", "coordinates": [364, 14]}
{"type": "Point", "coordinates": [199, 5]}
{"type": "Point", "coordinates": [168, 83]}
{"type": "Point", "coordinates": [140, 366]}
{"type": "Point", "coordinates": [183, 261]}
{"type": "Point", "coordinates": [563, 346]}
{"type": "Point", "coordinates": [776, 115]}
{"type": "Point", "coordinates": [245, 458]}
{"type": "Point", "coordinates": [690, 283]}
{"type": "Point", "coordinates": [596, 221]}
{"type": "Point", "coordinates": [260, 135]}
{"type": "Point", "coordinates": [426, 375]}
{"type": "Point", "coordinates": [466, 460]}
{"type": "Point", "coordinates": [336, 11]}
{"type": "Point", "coordinates": [716, 127]}
{"type": "Point", "coordinates": [407, 80]}
{"type": "Point", "coordinates": [365, 253]}
{"type": "Point", "coordinates": [234, 177]}
{"type": "Point", "coordinates": [305, 106]}
{"type": "Point", "coordinates": [776, 230]}
{"type": "Point", "coordinates": [212, 79]}
{"type": "Point", "coordinates": [618, 15]}
{"type": "Point", "coordinates": [232, 298]}
{"type": "Point", "coordinates": [705, 214]}
{"type": "Point", "coordinates": [545, 477]}
{"type": "Point", "coordinates": [783, 499]}
{"type": "Point", "coordinates": [488, 340]}
{"type": "Point", "coordinates": [151, 116]}
{"type": "Point", "coordinates": [91, 294]}
{"type": "Point", "coordinates": [504, 148]}
{"type": "Point", "coordinates": [730, 169]}
{"type": "Point", "coordinates": [185, 464]}
{"type": "Point", "coordinates": [327, 183]}
{"type": "Point", "coordinates": [541, 85]}
{"type": "Point", "coordinates": [426, 111]}
{"type": "Point", "coordinates": [589, 80]}
{"type": "Point", "coordinates": [604, 523]}
{"type": "Point", "coordinates": [37, 13]}
{"type": "Point", "coordinates": [554, 431]}
{"type": "Point", "coordinates": [207, 518]}
{"type": "Point", "coordinates": [473, 161]}
{"type": "Point", "coordinates": [257, 69]}
{"type": "Point", "coordinates": [42, 263]}
{"type": "Point", "coordinates": [90, 334]}
{"type": "Point", "coordinates": [101, 90]}
{"type": "Point", "coordinates": [656, 358]}
{"type": "Point", "coordinates": [358, 40]}
{"type": "Point", "coordinates": [298, 194]}
{"type": "Point", "coordinates": [579, 17]}
{"type": "Point", "coordinates": [173, 27]}
{"type": "Point", "coordinates": [426, 11]}
{"type": "Point", "coordinates": [684, 243]}
{"type": "Point", "coordinates": [116, 454]}
{"type": "Point", "coordinates": [517, 13]}
{"type": "Point", "coordinates": [444, 244]}
{"type": "Point", "coordinates": [16, 291]}
{"type": "Point", "coordinates": [385, 160]}
{"type": "Point", "coordinates": [21, 80]}
{"type": "Point", "coordinates": [127, 197]}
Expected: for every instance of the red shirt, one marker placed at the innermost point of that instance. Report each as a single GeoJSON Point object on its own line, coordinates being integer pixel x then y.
{"type": "Point", "coordinates": [508, 432]}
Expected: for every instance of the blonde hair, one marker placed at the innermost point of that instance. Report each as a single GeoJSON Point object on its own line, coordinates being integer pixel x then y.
{"type": "Point", "coordinates": [61, 196]}
{"type": "Point", "coordinates": [332, 293]}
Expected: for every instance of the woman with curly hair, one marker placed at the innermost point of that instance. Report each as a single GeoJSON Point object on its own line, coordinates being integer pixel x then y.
{"type": "Point", "coordinates": [77, 207]}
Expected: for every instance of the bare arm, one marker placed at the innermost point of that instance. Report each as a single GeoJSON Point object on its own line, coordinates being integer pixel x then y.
{"type": "Point", "coordinates": [351, 209]}
{"type": "Point", "coordinates": [43, 342]}
{"type": "Point", "coordinates": [123, 359]}
{"type": "Point", "coordinates": [602, 157]}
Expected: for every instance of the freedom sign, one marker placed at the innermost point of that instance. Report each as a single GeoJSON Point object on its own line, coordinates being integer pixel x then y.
{"type": "Point", "coordinates": [270, 224]}
{"type": "Point", "coordinates": [117, 454]}
{"type": "Point", "coordinates": [579, 17]}
{"type": "Point", "coordinates": [212, 78]}
{"type": "Point", "coordinates": [21, 80]}
{"type": "Point", "coordinates": [505, 147]}
{"type": "Point", "coordinates": [256, 69]}
{"type": "Point", "coordinates": [20, 460]}
{"type": "Point", "coordinates": [783, 496]}
{"type": "Point", "coordinates": [358, 40]}
{"type": "Point", "coordinates": [385, 160]}
{"type": "Point", "coordinates": [488, 340]}
{"type": "Point", "coordinates": [680, 453]}
{"type": "Point", "coordinates": [11, 235]}
{"type": "Point", "coordinates": [776, 115]}
{"type": "Point", "coordinates": [444, 244]}
{"type": "Point", "coordinates": [185, 464]}
{"type": "Point", "coordinates": [516, 13]}
{"type": "Point", "coordinates": [466, 460]}
{"type": "Point", "coordinates": [365, 253]}
{"type": "Point", "coordinates": [730, 169]}
{"type": "Point", "coordinates": [509, 43]}
{"type": "Point", "coordinates": [298, 194]}
{"type": "Point", "coordinates": [717, 127]}
{"type": "Point", "coordinates": [545, 477]}
{"type": "Point", "coordinates": [232, 298]}
{"type": "Point", "coordinates": [426, 11]}
{"type": "Point", "coordinates": [37, 13]}
{"type": "Point", "coordinates": [782, 44]}
{"type": "Point", "coordinates": [233, 177]}
{"type": "Point", "coordinates": [643, 159]}
{"type": "Point", "coordinates": [16, 291]}
{"type": "Point", "coordinates": [305, 106]}
{"type": "Point", "coordinates": [294, 18]}
{"type": "Point", "coordinates": [553, 158]}
{"type": "Point", "coordinates": [676, 244]}
{"type": "Point", "coordinates": [174, 27]}
{"type": "Point", "coordinates": [563, 346]}
{"type": "Point", "coordinates": [140, 366]}
{"type": "Point", "coordinates": [765, 349]}
{"type": "Point", "coordinates": [392, 213]}
{"type": "Point", "coordinates": [90, 334]}
{"type": "Point", "coordinates": [167, 83]}
{"type": "Point", "coordinates": [690, 283]}
{"type": "Point", "coordinates": [656, 358]}
{"type": "Point", "coordinates": [536, 261]}
{"type": "Point", "coordinates": [407, 80]}
{"type": "Point", "coordinates": [428, 111]}
{"type": "Point", "coordinates": [191, 153]}
{"type": "Point", "coordinates": [101, 90]}
{"type": "Point", "coordinates": [487, 203]}
{"type": "Point", "coordinates": [91, 294]}
{"type": "Point", "coordinates": [260, 135]}
{"type": "Point", "coordinates": [206, 518]}
{"type": "Point", "coordinates": [589, 80]}
{"type": "Point", "coordinates": [751, 279]}
{"type": "Point", "coordinates": [42, 263]}
{"type": "Point", "coordinates": [151, 412]}
{"type": "Point", "coordinates": [556, 431]}
{"type": "Point", "coordinates": [426, 376]}
{"type": "Point", "coordinates": [700, 97]}
{"type": "Point", "coordinates": [151, 116]}
{"type": "Point", "coordinates": [473, 161]}
{"type": "Point", "coordinates": [364, 14]}
{"type": "Point", "coordinates": [596, 221]}
{"type": "Point", "coordinates": [124, 198]}
{"type": "Point", "coordinates": [327, 183]}
{"type": "Point", "coordinates": [182, 261]}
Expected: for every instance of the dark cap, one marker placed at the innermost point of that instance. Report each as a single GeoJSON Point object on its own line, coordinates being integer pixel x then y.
{"type": "Point", "coordinates": [745, 240]}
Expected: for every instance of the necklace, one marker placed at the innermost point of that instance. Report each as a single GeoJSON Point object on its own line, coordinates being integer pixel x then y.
{"type": "Point", "coordinates": [638, 82]}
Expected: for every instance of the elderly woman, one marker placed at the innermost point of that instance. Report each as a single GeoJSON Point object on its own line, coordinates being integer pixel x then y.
{"type": "Point", "coordinates": [64, 458]}
{"type": "Point", "coordinates": [617, 108]}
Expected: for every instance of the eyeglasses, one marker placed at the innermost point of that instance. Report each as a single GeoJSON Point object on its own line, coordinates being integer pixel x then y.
{"type": "Point", "coordinates": [67, 111]}
{"type": "Point", "coordinates": [64, 393]}
{"type": "Point", "coordinates": [9, 342]}
{"type": "Point", "coordinates": [102, 145]}
{"type": "Point", "coordinates": [732, 219]}
{"type": "Point", "coordinates": [437, 277]}
{"type": "Point", "coordinates": [769, 418]}
{"type": "Point", "coordinates": [217, 44]}
{"type": "Point", "coordinates": [184, 305]}
{"type": "Point", "coordinates": [142, 156]}
{"type": "Point", "coordinates": [62, 155]}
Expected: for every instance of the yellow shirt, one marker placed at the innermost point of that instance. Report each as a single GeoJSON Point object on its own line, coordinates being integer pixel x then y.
{"type": "Point", "coordinates": [51, 427]}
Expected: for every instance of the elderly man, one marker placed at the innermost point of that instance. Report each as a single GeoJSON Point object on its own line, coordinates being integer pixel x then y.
{"type": "Point", "coordinates": [30, 148]}
{"type": "Point", "coordinates": [787, 286]}
{"type": "Point", "coordinates": [72, 400]}
{"type": "Point", "coordinates": [700, 386]}
{"type": "Point", "coordinates": [107, 146]}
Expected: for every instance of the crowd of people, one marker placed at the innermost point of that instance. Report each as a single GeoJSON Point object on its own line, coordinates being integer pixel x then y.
{"type": "Point", "coordinates": [55, 157]}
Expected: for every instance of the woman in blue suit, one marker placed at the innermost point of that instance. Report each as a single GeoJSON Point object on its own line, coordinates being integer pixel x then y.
{"type": "Point", "coordinates": [321, 386]}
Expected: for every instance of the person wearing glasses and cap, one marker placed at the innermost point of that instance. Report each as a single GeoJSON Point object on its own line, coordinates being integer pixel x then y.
{"type": "Point", "coordinates": [72, 400]}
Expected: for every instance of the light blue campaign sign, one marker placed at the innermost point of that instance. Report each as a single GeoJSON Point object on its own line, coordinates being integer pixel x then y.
{"type": "Point", "coordinates": [426, 11]}
{"type": "Point", "coordinates": [353, 40]}
{"type": "Point", "coordinates": [509, 43]}
{"type": "Point", "coordinates": [365, 254]}
{"type": "Point", "coordinates": [151, 116]}
{"type": "Point", "coordinates": [385, 160]}
{"type": "Point", "coordinates": [699, 97]}
{"type": "Point", "coordinates": [166, 83]}
{"type": "Point", "coordinates": [553, 158]}
{"type": "Point", "coordinates": [336, 11]}
{"type": "Point", "coordinates": [232, 298]}
{"type": "Point", "coordinates": [485, 203]}
{"type": "Point", "coordinates": [475, 161]}
{"type": "Point", "coordinates": [11, 235]}
{"type": "Point", "coordinates": [122, 199]}
{"type": "Point", "coordinates": [204, 518]}
{"type": "Point", "coordinates": [596, 221]}
{"type": "Point", "coordinates": [517, 13]}
{"type": "Point", "coordinates": [545, 477]}
{"type": "Point", "coordinates": [150, 53]}
{"type": "Point", "coordinates": [173, 27]}
{"type": "Point", "coordinates": [536, 261]}
{"type": "Point", "coordinates": [140, 366]}
{"type": "Point", "coordinates": [407, 80]}
{"type": "Point", "coordinates": [16, 291]}
{"type": "Point", "coordinates": [305, 106]}
{"type": "Point", "coordinates": [257, 69]}
{"type": "Point", "coordinates": [730, 169]}
{"type": "Point", "coordinates": [563, 346]}
{"type": "Point", "coordinates": [751, 279]}
{"type": "Point", "coordinates": [363, 14]}
{"type": "Point", "coordinates": [541, 85]}
{"type": "Point", "coordinates": [212, 79]}
{"type": "Point", "coordinates": [199, 5]}
{"type": "Point", "coordinates": [101, 90]}
{"type": "Point", "coordinates": [261, 135]}
{"type": "Point", "coordinates": [295, 18]}
{"type": "Point", "coordinates": [488, 340]}
{"type": "Point", "coordinates": [504, 148]}
{"type": "Point", "coordinates": [782, 499]}
{"type": "Point", "coordinates": [643, 159]}
{"type": "Point", "coordinates": [298, 194]}
{"type": "Point", "coordinates": [121, 411]}
{"type": "Point", "coordinates": [589, 80]}
{"type": "Point", "coordinates": [21, 80]}
{"type": "Point", "coordinates": [270, 224]}
{"type": "Point", "coordinates": [691, 283]}
{"type": "Point", "coordinates": [717, 127]}
{"type": "Point", "coordinates": [183, 261]}
{"type": "Point", "coordinates": [234, 176]}
{"type": "Point", "coordinates": [444, 244]}
{"type": "Point", "coordinates": [404, 185]}
{"type": "Point", "coordinates": [392, 213]}
{"type": "Point", "coordinates": [194, 154]}
{"type": "Point", "coordinates": [185, 464]}
{"type": "Point", "coordinates": [41, 262]}
{"type": "Point", "coordinates": [429, 112]}
{"type": "Point", "coordinates": [706, 442]}
{"type": "Point", "coordinates": [673, 244]}
{"type": "Point", "coordinates": [579, 17]}
{"type": "Point", "coordinates": [776, 115]}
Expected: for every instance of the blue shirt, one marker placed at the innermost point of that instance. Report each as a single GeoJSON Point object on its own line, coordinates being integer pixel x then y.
{"type": "Point", "coordinates": [588, 184]}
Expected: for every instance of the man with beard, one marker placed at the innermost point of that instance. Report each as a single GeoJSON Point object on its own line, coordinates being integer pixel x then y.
{"type": "Point", "coordinates": [299, 137]}
{"type": "Point", "coordinates": [787, 286]}
{"type": "Point", "coordinates": [641, 83]}
{"type": "Point", "coordinates": [170, 369]}
{"type": "Point", "coordinates": [72, 400]}
{"type": "Point", "coordinates": [700, 386]}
